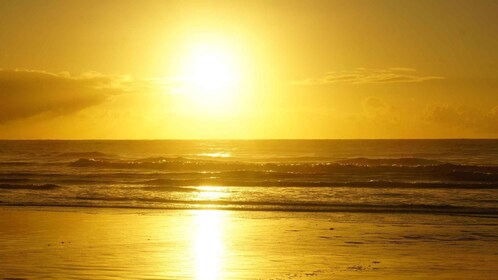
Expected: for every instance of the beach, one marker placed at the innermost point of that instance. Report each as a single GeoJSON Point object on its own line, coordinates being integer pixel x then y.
{"type": "Point", "coordinates": [103, 243]}
{"type": "Point", "coordinates": [276, 209]}
{"type": "Point", "coordinates": [266, 140]}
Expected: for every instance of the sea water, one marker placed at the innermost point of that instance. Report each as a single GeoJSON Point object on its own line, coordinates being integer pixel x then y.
{"type": "Point", "coordinates": [458, 177]}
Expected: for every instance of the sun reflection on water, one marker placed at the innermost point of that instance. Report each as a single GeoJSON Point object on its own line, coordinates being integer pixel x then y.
{"type": "Point", "coordinates": [211, 193]}
{"type": "Point", "coordinates": [208, 244]}
{"type": "Point", "coordinates": [215, 155]}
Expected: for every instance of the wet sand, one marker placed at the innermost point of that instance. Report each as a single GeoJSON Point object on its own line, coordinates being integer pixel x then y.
{"type": "Point", "coordinates": [89, 243]}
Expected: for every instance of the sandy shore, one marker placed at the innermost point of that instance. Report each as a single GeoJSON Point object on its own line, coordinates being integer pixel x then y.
{"type": "Point", "coordinates": [85, 243]}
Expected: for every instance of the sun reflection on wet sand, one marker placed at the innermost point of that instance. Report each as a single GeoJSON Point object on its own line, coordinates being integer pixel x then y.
{"type": "Point", "coordinates": [208, 244]}
{"type": "Point", "coordinates": [52, 243]}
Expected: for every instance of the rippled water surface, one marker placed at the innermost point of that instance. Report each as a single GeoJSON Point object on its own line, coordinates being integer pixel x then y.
{"type": "Point", "coordinates": [420, 176]}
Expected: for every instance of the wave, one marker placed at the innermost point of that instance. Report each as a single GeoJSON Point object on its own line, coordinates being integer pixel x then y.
{"type": "Point", "coordinates": [269, 183]}
{"type": "Point", "coordinates": [156, 163]}
{"type": "Point", "coordinates": [170, 189]}
{"type": "Point", "coordinates": [14, 163]}
{"type": "Point", "coordinates": [158, 203]}
{"type": "Point", "coordinates": [362, 184]}
{"type": "Point", "coordinates": [360, 169]}
{"type": "Point", "coordinates": [13, 180]}
{"type": "Point", "coordinates": [450, 180]}
{"type": "Point", "coordinates": [165, 184]}
{"type": "Point", "coordinates": [362, 161]}
{"type": "Point", "coordinates": [75, 155]}
{"type": "Point", "coordinates": [473, 176]}
{"type": "Point", "coordinates": [28, 187]}
{"type": "Point", "coordinates": [180, 163]}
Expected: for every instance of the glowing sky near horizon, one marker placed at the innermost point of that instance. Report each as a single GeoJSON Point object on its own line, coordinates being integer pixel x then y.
{"type": "Point", "coordinates": [258, 69]}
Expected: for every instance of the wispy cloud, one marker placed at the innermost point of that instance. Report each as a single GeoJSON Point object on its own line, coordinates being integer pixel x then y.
{"type": "Point", "coordinates": [369, 76]}
{"type": "Point", "coordinates": [26, 93]}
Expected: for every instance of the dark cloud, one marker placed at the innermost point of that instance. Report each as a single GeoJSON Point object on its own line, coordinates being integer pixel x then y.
{"type": "Point", "coordinates": [26, 93]}
{"type": "Point", "coordinates": [370, 76]}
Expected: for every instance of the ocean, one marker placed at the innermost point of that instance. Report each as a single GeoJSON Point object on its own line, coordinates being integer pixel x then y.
{"type": "Point", "coordinates": [262, 209]}
{"type": "Point", "coordinates": [455, 177]}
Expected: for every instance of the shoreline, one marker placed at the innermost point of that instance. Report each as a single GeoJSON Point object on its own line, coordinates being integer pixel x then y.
{"type": "Point", "coordinates": [351, 210]}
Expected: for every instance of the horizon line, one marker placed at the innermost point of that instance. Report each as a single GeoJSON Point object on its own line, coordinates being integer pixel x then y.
{"type": "Point", "coordinates": [235, 139]}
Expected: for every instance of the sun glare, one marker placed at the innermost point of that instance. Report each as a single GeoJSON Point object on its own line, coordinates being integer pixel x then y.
{"type": "Point", "coordinates": [211, 72]}
{"type": "Point", "coordinates": [211, 75]}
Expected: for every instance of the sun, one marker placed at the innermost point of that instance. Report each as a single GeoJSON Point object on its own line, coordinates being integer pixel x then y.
{"type": "Point", "coordinates": [211, 75]}
{"type": "Point", "coordinates": [212, 72]}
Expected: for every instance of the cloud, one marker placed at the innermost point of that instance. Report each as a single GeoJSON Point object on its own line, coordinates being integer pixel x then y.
{"type": "Point", "coordinates": [376, 109]}
{"type": "Point", "coordinates": [370, 76]}
{"type": "Point", "coordinates": [27, 93]}
{"type": "Point", "coordinates": [465, 117]}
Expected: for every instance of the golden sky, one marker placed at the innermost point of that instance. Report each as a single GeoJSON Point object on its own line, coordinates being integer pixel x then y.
{"type": "Point", "coordinates": [248, 69]}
